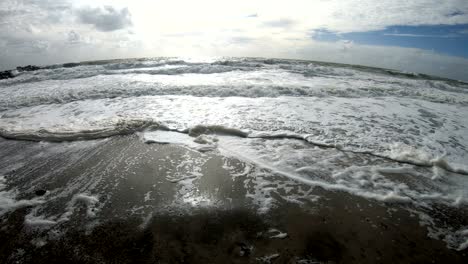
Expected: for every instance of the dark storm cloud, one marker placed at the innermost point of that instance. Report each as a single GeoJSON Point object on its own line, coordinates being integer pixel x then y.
{"type": "Point", "coordinates": [105, 19]}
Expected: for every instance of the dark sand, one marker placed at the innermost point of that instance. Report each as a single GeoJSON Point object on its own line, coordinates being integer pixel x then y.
{"type": "Point", "coordinates": [209, 220]}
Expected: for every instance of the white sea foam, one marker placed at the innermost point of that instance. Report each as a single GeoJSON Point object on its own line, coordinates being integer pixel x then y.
{"type": "Point", "coordinates": [38, 221]}
{"type": "Point", "coordinates": [167, 137]}
{"type": "Point", "coordinates": [38, 242]}
{"type": "Point", "coordinates": [330, 169]}
{"type": "Point", "coordinates": [268, 258]}
{"type": "Point", "coordinates": [202, 143]}
{"type": "Point", "coordinates": [242, 78]}
{"type": "Point", "coordinates": [275, 233]}
{"type": "Point", "coordinates": [463, 245]}
{"type": "Point", "coordinates": [8, 201]}
{"type": "Point", "coordinates": [90, 202]}
{"type": "Point", "coordinates": [424, 127]}
{"type": "Point", "coordinates": [384, 135]}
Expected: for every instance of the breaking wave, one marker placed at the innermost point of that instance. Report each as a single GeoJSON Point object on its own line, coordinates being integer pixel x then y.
{"type": "Point", "coordinates": [380, 134]}
{"type": "Point", "coordinates": [127, 127]}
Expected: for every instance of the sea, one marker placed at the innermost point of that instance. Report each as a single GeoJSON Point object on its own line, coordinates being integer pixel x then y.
{"type": "Point", "coordinates": [383, 135]}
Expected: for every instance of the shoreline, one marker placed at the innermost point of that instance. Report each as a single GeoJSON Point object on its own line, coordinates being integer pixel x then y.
{"type": "Point", "coordinates": [121, 200]}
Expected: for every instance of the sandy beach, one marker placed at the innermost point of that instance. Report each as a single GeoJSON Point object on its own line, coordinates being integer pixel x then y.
{"type": "Point", "coordinates": [220, 131]}
{"type": "Point", "coordinates": [120, 200]}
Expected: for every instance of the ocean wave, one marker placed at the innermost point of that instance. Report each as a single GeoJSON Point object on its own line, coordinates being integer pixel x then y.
{"type": "Point", "coordinates": [384, 135]}
{"type": "Point", "coordinates": [362, 124]}
{"type": "Point", "coordinates": [222, 83]}
{"type": "Point", "coordinates": [119, 128]}
{"type": "Point", "coordinates": [371, 177]}
{"type": "Point", "coordinates": [80, 72]}
{"type": "Point", "coordinates": [397, 152]}
{"type": "Point", "coordinates": [176, 66]}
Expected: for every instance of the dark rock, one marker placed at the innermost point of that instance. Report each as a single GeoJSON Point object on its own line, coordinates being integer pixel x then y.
{"type": "Point", "coordinates": [27, 68]}
{"type": "Point", "coordinates": [40, 192]}
{"type": "Point", "coordinates": [6, 75]}
{"type": "Point", "coordinates": [70, 65]}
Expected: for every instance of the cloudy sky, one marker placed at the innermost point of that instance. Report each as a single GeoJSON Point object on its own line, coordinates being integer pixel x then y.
{"type": "Point", "coordinates": [428, 36]}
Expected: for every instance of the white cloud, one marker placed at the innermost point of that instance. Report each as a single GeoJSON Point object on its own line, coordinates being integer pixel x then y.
{"type": "Point", "coordinates": [75, 38]}
{"type": "Point", "coordinates": [399, 58]}
{"type": "Point", "coordinates": [334, 15]}
{"type": "Point", "coordinates": [405, 59]}
{"type": "Point", "coordinates": [46, 31]}
{"type": "Point", "coordinates": [283, 22]}
{"type": "Point", "coordinates": [106, 18]}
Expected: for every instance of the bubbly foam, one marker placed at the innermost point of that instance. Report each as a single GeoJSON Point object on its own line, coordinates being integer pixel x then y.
{"type": "Point", "coordinates": [384, 135]}
{"type": "Point", "coordinates": [8, 201]}
{"type": "Point", "coordinates": [246, 78]}
{"type": "Point", "coordinates": [406, 130]}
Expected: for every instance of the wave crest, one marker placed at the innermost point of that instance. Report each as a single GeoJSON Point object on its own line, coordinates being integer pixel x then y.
{"type": "Point", "coordinates": [123, 127]}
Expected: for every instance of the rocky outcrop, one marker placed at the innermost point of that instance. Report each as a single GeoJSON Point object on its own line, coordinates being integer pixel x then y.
{"type": "Point", "coordinates": [27, 68]}
{"type": "Point", "coordinates": [70, 64]}
{"type": "Point", "coordinates": [6, 75]}
{"type": "Point", "coordinates": [9, 73]}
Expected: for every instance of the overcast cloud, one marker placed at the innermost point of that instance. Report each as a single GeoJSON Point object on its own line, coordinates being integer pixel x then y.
{"type": "Point", "coordinates": [56, 31]}
{"type": "Point", "coordinates": [106, 18]}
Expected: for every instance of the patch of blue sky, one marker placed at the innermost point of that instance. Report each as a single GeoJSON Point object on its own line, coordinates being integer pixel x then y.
{"type": "Point", "coordinates": [445, 39]}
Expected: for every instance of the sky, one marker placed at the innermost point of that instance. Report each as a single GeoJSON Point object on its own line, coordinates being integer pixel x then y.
{"type": "Point", "coordinates": [426, 36]}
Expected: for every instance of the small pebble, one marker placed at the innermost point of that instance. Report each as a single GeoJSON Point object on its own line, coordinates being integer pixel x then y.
{"type": "Point", "coordinates": [40, 192]}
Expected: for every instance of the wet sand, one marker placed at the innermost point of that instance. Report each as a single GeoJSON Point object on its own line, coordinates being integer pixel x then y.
{"type": "Point", "coordinates": [170, 204]}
